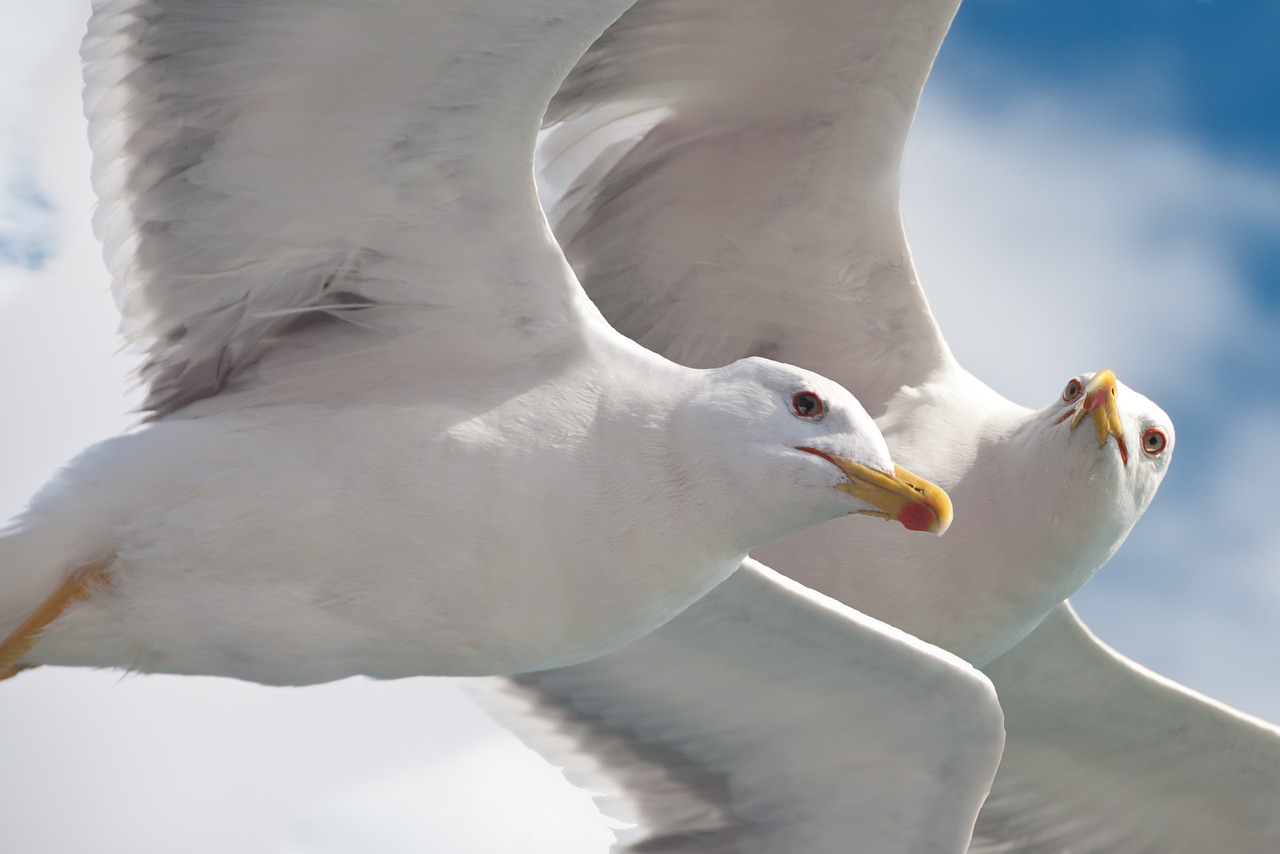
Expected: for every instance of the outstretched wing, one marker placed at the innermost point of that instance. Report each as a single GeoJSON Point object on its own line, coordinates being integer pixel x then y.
{"type": "Point", "coordinates": [724, 176]}
{"type": "Point", "coordinates": [769, 718]}
{"type": "Point", "coordinates": [1106, 757]}
{"type": "Point", "coordinates": [264, 166]}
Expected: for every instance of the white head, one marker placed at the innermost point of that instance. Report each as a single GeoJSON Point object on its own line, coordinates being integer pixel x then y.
{"type": "Point", "coordinates": [1093, 461]}
{"type": "Point", "coordinates": [797, 449]}
{"type": "Point", "coordinates": [1121, 442]}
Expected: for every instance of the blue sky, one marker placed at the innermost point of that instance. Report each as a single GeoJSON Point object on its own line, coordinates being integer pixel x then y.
{"type": "Point", "coordinates": [1205, 68]}
{"type": "Point", "coordinates": [1090, 184]}
{"type": "Point", "coordinates": [1214, 61]}
{"type": "Point", "coordinates": [1171, 38]}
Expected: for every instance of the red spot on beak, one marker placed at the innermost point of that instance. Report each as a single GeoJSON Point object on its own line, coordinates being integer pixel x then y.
{"type": "Point", "coordinates": [1095, 400]}
{"type": "Point", "coordinates": [917, 517]}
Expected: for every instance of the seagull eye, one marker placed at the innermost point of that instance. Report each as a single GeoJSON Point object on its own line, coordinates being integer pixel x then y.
{"type": "Point", "coordinates": [1072, 392]}
{"type": "Point", "coordinates": [806, 404]}
{"type": "Point", "coordinates": [1153, 442]}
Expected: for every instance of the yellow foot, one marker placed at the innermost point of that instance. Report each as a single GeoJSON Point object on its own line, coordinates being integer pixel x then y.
{"type": "Point", "coordinates": [81, 583]}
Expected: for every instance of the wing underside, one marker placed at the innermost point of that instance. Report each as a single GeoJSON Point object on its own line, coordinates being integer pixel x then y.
{"type": "Point", "coordinates": [1106, 757]}
{"type": "Point", "coordinates": [267, 168]}
{"type": "Point", "coordinates": [724, 177]}
{"type": "Point", "coordinates": [768, 718]}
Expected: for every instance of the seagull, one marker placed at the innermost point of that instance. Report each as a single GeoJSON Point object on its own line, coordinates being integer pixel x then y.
{"type": "Point", "coordinates": [725, 180]}
{"type": "Point", "coordinates": [389, 434]}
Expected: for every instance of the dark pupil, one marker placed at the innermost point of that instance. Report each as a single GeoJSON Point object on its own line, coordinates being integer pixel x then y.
{"type": "Point", "coordinates": [1153, 440]}
{"type": "Point", "coordinates": [806, 404]}
{"type": "Point", "coordinates": [1073, 389]}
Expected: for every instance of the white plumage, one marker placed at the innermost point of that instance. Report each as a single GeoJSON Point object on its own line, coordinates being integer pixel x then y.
{"type": "Point", "coordinates": [392, 436]}
{"type": "Point", "coordinates": [769, 719]}
{"type": "Point", "coordinates": [745, 156]}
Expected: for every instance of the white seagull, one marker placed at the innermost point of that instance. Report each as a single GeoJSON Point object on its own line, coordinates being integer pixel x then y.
{"type": "Point", "coordinates": [725, 179]}
{"type": "Point", "coordinates": [390, 434]}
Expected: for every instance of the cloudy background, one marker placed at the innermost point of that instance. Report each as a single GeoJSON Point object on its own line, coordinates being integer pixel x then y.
{"type": "Point", "coordinates": [1091, 183]}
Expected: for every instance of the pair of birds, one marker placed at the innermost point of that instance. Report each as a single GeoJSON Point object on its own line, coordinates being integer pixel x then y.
{"type": "Point", "coordinates": [344, 374]}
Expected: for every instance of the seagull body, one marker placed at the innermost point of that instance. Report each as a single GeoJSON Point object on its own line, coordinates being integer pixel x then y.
{"type": "Point", "coordinates": [754, 176]}
{"type": "Point", "coordinates": [235, 553]}
{"type": "Point", "coordinates": [390, 433]}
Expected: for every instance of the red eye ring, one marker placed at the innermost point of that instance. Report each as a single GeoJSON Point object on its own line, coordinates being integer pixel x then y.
{"type": "Point", "coordinates": [1072, 392]}
{"type": "Point", "coordinates": [1154, 441]}
{"type": "Point", "coordinates": [807, 404]}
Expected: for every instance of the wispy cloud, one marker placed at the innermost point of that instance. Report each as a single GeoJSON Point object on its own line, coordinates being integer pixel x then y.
{"type": "Point", "coordinates": [493, 800]}
{"type": "Point", "coordinates": [28, 227]}
{"type": "Point", "coordinates": [29, 37]}
{"type": "Point", "coordinates": [1049, 244]}
{"type": "Point", "coordinates": [155, 764]}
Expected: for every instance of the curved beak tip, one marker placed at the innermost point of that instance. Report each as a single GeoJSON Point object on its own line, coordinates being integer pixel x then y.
{"type": "Point", "coordinates": [921, 516]}
{"type": "Point", "coordinates": [927, 514]}
{"type": "Point", "coordinates": [1100, 405]}
{"type": "Point", "coordinates": [902, 496]}
{"type": "Point", "coordinates": [929, 508]}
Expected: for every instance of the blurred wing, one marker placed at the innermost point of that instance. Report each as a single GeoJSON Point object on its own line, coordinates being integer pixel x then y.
{"type": "Point", "coordinates": [1105, 756]}
{"type": "Point", "coordinates": [265, 166]}
{"type": "Point", "coordinates": [724, 177]}
{"type": "Point", "coordinates": [769, 718]}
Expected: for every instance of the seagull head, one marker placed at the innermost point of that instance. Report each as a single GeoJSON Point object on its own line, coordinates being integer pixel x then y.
{"type": "Point", "coordinates": [1110, 448]}
{"type": "Point", "coordinates": [1128, 429]}
{"type": "Point", "coordinates": [803, 447]}
{"type": "Point", "coordinates": [1096, 397]}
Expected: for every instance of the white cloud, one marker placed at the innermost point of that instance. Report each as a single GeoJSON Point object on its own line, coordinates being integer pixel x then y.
{"type": "Point", "coordinates": [151, 764]}
{"type": "Point", "coordinates": [63, 376]}
{"type": "Point", "coordinates": [31, 36]}
{"type": "Point", "coordinates": [1049, 244]}
{"type": "Point", "coordinates": [496, 799]}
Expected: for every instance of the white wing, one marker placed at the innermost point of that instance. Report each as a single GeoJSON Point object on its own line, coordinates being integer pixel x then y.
{"type": "Point", "coordinates": [1105, 756]}
{"type": "Point", "coordinates": [746, 155]}
{"type": "Point", "coordinates": [263, 166]}
{"type": "Point", "coordinates": [769, 718]}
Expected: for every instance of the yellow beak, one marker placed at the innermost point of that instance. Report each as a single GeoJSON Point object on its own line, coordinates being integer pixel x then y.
{"type": "Point", "coordinates": [902, 496]}
{"type": "Point", "coordinates": [1100, 403]}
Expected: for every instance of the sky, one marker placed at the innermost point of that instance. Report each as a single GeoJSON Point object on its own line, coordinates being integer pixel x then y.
{"type": "Point", "coordinates": [1090, 184]}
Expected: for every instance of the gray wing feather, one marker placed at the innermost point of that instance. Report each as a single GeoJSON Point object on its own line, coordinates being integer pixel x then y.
{"type": "Point", "coordinates": [266, 166]}
{"type": "Point", "coordinates": [1105, 757]}
{"type": "Point", "coordinates": [724, 177]}
{"type": "Point", "coordinates": [768, 718]}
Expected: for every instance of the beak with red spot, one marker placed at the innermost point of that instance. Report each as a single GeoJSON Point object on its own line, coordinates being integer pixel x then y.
{"type": "Point", "coordinates": [1099, 402]}
{"type": "Point", "coordinates": [902, 496]}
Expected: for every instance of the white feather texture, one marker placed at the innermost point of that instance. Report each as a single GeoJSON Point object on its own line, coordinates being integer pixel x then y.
{"type": "Point", "coordinates": [770, 719]}
{"type": "Point", "coordinates": [724, 177]}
